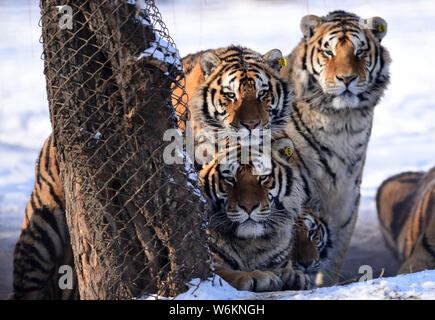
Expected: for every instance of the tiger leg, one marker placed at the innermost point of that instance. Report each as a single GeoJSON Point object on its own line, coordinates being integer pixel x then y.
{"type": "Point", "coordinates": [41, 249]}
{"type": "Point", "coordinates": [265, 280]}
{"type": "Point", "coordinates": [331, 265]}
{"type": "Point", "coordinates": [423, 256]}
{"type": "Point", "coordinates": [294, 279]}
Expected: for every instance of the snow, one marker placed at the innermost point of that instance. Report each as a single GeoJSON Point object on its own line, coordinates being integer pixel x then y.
{"type": "Point", "coordinates": [162, 51]}
{"type": "Point", "coordinates": [212, 289]}
{"type": "Point", "coordinates": [419, 285]}
{"type": "Point", "coordinates": [403, 133]}
{"type": "Point", "coordinates": [159, 49]}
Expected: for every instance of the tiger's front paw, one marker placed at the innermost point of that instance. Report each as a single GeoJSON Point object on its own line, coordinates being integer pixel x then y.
{"type": "Point", "coordinates": [294, 279]}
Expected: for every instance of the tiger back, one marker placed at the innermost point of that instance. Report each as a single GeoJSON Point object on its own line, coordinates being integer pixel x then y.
{"type": "Point", "coordinates": [406, 212]}
{"type": "Point", "coordinates": [44, 244]}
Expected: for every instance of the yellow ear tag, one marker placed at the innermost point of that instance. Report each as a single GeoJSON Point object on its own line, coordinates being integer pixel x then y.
{"type": "Point", "coordinates": [288, 151]}
{"type": "Point", "coordinates": [381, 28]}
{"type": "Point", "coordinates": [282, 62]}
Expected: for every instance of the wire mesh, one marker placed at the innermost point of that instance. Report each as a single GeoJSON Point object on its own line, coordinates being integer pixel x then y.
{"type": "Point", "coordinates": [114, 85]}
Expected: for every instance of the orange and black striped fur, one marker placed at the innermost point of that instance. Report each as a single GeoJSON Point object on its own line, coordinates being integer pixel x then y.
{"type": "Point", "coordinates": [406, 212]}
{"type": "Point", "coordinates": [257, 221]}
{"type": "Point", "coordinates": [44, 243]}
{"type": "Point", "coordinates": [339, 72]}
{"type": "Point", "coordinates": [235, 89]}
{"type": "Point", "coordinates": [254, 80]}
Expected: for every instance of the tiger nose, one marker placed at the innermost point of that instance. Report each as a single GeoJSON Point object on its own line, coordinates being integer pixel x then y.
{"type": "Point", "coordinates": [308, 263]}
{"type": "Point", "coordinates": [346, 79]}
{"type": "Point", "coordinates": [251, 124]}
{"type": "Point", "coordinates": [248, 206]}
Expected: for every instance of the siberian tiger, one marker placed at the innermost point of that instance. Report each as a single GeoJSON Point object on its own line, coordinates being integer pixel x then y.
{"type": "Point", "coordinates": [339, 71]}
{"type": "Point", "coordinates": [253, 214]}
{"type": "Point", "coordinates": [406, 211]}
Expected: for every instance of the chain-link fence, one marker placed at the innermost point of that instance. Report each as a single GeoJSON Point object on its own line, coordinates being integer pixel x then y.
{"type": "Point", "coordinates": [115, 85]}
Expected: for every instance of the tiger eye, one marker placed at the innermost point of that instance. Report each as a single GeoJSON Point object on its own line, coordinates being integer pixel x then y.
{"type": "Point", "coordinates": [230, 181]}
{"type": "Point", "coordinates": [262, 93]}
{"type": "Point", "coordinates": [230, 95]}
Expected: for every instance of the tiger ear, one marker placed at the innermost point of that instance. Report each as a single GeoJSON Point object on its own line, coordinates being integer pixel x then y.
{"type": "Point", "coordinates": [209, 62]}
{"type": "Point", "coordinates": [378, 26]}
{"type": "Point", "coordinates": [309, 24]}
{"type": "Point", "coordinates": [283, 149]}
{"type": "Point", "coordinates": [273, 58]}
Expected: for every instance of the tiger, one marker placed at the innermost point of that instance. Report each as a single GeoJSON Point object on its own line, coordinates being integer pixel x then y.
{"type": "Point", "coordinates": [311, 240]}
{"type": "Point", "coordinates": [339, 72]}
{"type": "Point", "coordinates": [252, 220]}
{"type": "Point", "coordinates": [406, 212]}
{"type": "Point", "coordinates": [44, 243]}
{"type": "Point", "coordinates": [235, 89]}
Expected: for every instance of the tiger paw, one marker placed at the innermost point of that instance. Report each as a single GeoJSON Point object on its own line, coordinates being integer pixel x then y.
{"type": "Point", "coordinates": [257, 281]}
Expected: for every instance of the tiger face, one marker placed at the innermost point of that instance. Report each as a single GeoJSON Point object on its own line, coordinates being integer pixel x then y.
{"type": "Point", "coordinates": [311, 235]}
{"type": "Point", "coordinates": [344, 55]}
{"type": "Point", "coordinates": [250, 201]}
{"type": "Point", "coordinates": [242, 91]}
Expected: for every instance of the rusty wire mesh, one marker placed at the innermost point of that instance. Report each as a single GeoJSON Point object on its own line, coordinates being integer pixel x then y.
{"type": "Point", "coordinates": [114, 85]}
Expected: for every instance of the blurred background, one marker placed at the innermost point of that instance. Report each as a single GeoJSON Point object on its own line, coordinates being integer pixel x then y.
{"type": "Point", "coordinates": [403, 135]}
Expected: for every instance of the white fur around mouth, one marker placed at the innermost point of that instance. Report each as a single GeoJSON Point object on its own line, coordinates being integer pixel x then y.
{"type": "Point", "coordinates": [250, 229]}
{"type": "Point", "coordinates": [346, 100]}
{"type": "Point", "coordinates": [238, 217]}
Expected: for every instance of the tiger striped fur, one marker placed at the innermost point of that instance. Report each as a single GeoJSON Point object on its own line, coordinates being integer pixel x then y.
{"type": "Point", "coordinates": [406, 212]}
{"type": "Point", "coordinates": [339, 72]}
{"type": "Point", "coordinates": [253, 216]}
{"type": "Point", "coordinates": [44, 243]}
{"type": "Point", "coordinates": [236, 89]}
{"type": "Point", "coordinates": [311, 240]}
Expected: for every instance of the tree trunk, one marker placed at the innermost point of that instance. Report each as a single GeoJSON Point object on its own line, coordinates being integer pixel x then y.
{"type": "Point", "coordinates": [137, 225]}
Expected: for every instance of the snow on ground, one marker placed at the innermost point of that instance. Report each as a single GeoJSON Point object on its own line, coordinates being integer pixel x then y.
{"type": "Point", "coordinates": [404, 127]}
{"type": "Point", "coordinates": [419, 285]}
{"type": "Point", "coordinates": [412, 286]}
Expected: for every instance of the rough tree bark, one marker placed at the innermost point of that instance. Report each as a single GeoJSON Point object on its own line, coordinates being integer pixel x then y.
{"type": "Point", "coordinates": [136, 224]}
